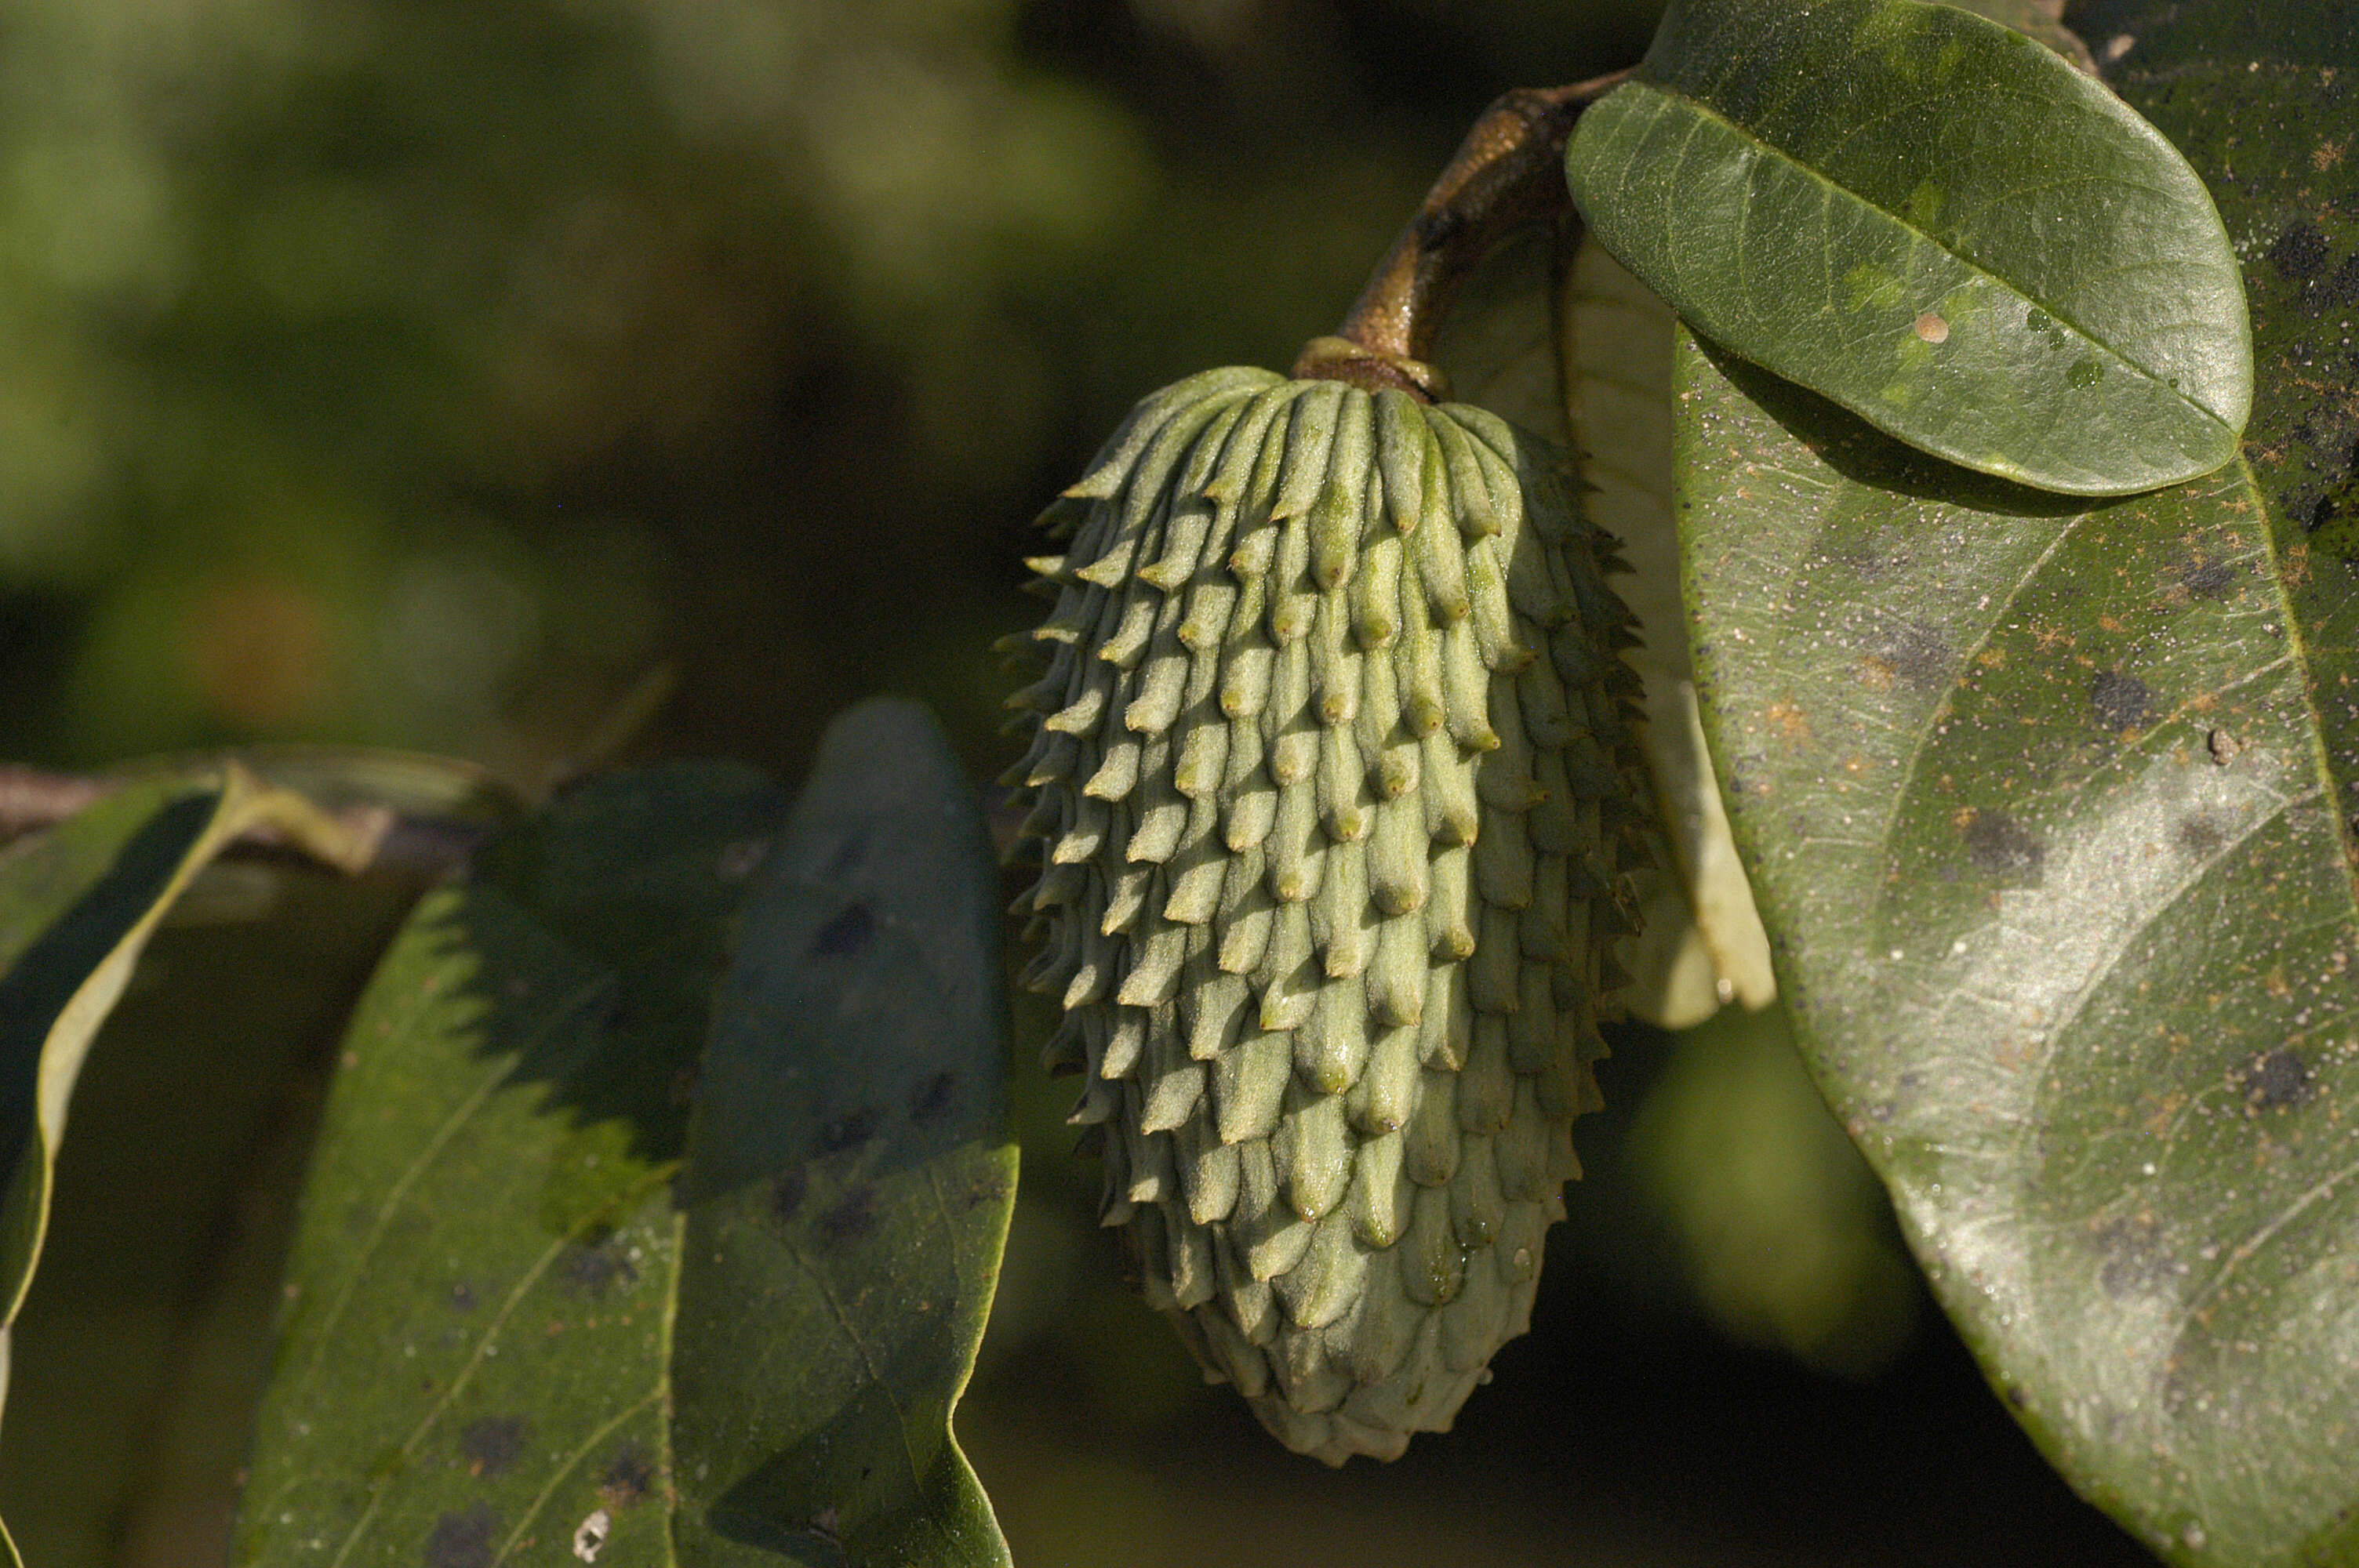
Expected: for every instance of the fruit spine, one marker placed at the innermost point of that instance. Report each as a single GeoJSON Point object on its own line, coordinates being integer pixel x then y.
{"type": "Point", "coordinates": [1331, 777]}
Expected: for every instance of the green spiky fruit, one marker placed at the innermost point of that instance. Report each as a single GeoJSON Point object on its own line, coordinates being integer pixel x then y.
{"type": "Point", "coordinates": [1332, 786]}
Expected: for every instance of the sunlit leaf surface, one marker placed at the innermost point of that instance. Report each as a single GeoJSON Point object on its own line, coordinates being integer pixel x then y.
{"type": "Point", "coordinates": [2046, 804]}
{"type": "Point", "coordinates": [1934, 223]}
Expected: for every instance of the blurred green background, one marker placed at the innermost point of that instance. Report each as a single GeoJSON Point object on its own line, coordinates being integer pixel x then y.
{"type": "Point", "coordinates": [453, 373]}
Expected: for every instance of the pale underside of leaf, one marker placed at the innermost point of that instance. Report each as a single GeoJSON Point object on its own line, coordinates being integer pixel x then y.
{"type": "Point", "coordinates": [1527, 328]}
{"type": "Point", "coordinates": [1702, 936]}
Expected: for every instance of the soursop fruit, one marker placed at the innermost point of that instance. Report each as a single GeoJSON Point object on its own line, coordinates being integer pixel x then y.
{"type": "Point", "coordinates": [1333, 788]}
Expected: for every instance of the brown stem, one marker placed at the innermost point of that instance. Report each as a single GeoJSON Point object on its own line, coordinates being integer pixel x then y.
{"type": "Point", "coordinates": [31, 800]}
{"type": "Point", "coordinates": [1507, 172]}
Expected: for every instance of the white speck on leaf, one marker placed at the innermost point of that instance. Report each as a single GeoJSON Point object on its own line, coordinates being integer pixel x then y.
{"type": "Point", "coordinates": [591, 1534]}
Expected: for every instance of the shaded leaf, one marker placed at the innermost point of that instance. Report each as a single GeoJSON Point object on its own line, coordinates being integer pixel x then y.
{"type": "Point", "coordinates": [851, 1177]}
{"type": "Point", "coordinates": [414, 783]}
{"type": "Point", "coordinates": [77, 907]}
{"type": "Point", "coordinates": [2044, 805]}
{"type": "Point", "coordinates": [530, 1301]}
{"type": "Point", "coordinates": [1935, 223]}
{"type": "Point", "coordinates": [485, 1256]}
{"type": "Point", "coordinates": [142, 1346]}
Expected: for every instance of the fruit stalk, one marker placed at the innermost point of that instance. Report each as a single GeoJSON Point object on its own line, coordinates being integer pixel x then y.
{"type": "Point", "coordinates": [1507, 172]}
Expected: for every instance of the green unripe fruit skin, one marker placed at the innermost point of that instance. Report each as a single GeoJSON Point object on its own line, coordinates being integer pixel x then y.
{"type": "Point", "coordinates": [1334, 785]}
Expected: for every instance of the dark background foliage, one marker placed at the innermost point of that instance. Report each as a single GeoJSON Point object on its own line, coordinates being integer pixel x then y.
{"type": "Point", "coordinates": [441, 376]}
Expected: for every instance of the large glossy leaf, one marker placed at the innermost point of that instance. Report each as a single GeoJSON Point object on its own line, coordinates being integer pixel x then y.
{"type": "Point", "coordinates": [536, 1311]}
{"type": "Point", "coordinates": [1934, 223]}
{"type": "Point", "coordinates": [2044, 807]}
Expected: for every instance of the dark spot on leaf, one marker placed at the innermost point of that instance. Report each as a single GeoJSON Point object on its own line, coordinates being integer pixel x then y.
{"type": "Point", "coordinates": [627, 1477]}
{"type": "Point", "coordinates": [847, 935]}
{"type": "Point", "coordinates": [463, 1297]}
{"type": "Point", "coordinates": [933, 1097]}
{"type": "Point", "coordinates": [988, 1186]}
{"type": "Point", "coordinates": [2299, 253]}
{"type": "Point", "coordinates": [848, 855]}
{"type": "Point", "coordinates": [851, 1218]}
{"type": "Point", "coordinates": [2122, 701]}
{"type": "Point", "coordinates": [2202, 837]}
{"type": "Point", "coordinates": [2133, 1258]}
{"type": "Point", "coordinates": [849, 1130]}
{"type": "Point", "coordinates": [464, 1539]}
{"type": "Point", "coordinates": [2207, 579]}
{"type": "Point", "coordinates": [1917, 654]}
{"type": "Point", "coordinates": [2277, 1080]}
{"type": "Point", "coordinates": [2001, 850]}
{"type": "Point", "coordinates": [2334, 520]}
{"type": "Point", "coordinates": [592, 1269]}
{"type": "Point", "coordinates": [492, 1443]}
{"type": "Point", "coordinates": [2342, 289]}
{"type": "Point", "coordinates": [787, 1195]}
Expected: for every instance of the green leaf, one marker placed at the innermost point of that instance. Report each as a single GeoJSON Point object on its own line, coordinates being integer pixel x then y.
{"type": "Point", "coordinates": [1935, 223]}
{"type": "Point", "coordinates": [77, 907]}
{"type": "Point", "coordinates": [2259, 97]}
{"type": "Point", "coordinates": [851, 1177]}
{"type": "Point", "coordinates": [2045, 806]}
{"type": "Point", "coordinates": [142, 1347]}
{"type": "Point", "coordinates": [536, 1311]}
